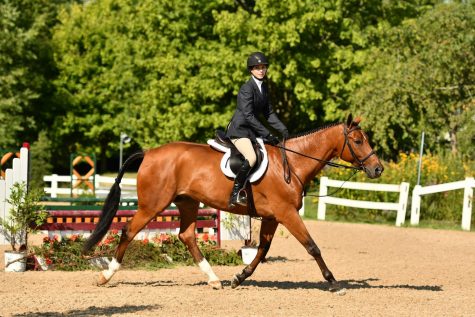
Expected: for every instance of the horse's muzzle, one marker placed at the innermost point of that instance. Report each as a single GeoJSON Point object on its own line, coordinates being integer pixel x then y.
{"type": "Point", "coordinates": [374, 171]}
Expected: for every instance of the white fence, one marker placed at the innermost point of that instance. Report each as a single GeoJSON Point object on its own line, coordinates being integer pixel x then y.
{"type": "Point", "coordinates": [399, 207]}
{"type": "Point", "coordinates": [467, 185]}
{"type": "Point", "coordinates": [103, 184]}
{"type": "Point", "coordinates": [61, 185]}
{"type": "Point", "coordinates": [18, 173]}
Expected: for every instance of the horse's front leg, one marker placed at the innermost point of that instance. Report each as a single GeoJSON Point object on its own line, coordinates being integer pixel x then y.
{"type": "Point", "coordinates": [188, 213]}
{"type": "Point", "coordinates": [297, 228]}
{"type": "Point", "coordinates": [267, 232]}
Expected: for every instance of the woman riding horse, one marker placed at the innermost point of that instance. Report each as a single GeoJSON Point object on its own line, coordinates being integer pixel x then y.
{"type": "Point", "coordinates": [252, 101]}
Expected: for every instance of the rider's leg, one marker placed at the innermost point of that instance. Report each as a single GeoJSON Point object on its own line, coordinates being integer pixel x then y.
{"type": "Point", "coordinates": [244, 146]}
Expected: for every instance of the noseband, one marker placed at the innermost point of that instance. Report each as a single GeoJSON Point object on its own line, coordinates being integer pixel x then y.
{"type": "Point", "coordinates": [347, 132]}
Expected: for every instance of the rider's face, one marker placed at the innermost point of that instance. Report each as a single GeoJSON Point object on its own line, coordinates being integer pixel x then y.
{"type": "Point", "coordinates": [259, 71]}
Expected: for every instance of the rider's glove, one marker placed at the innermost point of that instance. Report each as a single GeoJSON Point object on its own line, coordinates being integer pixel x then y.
{"type": "Point", "coordinates": [285, 134]}
{"type": "Point", "coordinates": [272, 139]}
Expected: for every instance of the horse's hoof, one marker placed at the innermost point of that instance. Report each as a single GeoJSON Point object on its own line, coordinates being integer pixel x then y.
{"type": "Point", "coordinates": [215, 284]}
{"type": "Point", "coordinates": [335, 288]}
{"type": "Point", "coordinates": [235, 282]}
{"type": "Point", "coordinates": [102, 280]}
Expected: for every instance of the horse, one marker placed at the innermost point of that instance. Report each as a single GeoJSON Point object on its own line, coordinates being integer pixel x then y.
{"type": "Point", "coordinates": [188, 173]}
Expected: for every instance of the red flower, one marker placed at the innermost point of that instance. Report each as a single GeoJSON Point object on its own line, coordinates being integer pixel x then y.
{"type": "Point", "coordinates": [145, 241]}
{"type": "Point", "coordinates": [205, 237]}
{"type": "Point", "coordinates": [164, 237]}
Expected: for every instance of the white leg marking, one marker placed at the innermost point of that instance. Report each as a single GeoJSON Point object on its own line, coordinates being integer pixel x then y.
{"type": "Point", "coordinates": [114, 266]}
{"type": "Point", "coordinates": [206, 268]}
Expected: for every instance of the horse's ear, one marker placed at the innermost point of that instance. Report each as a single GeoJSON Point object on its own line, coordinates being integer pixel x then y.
{"type": "Point", "coordinates": [357, 120]}
{"type": "Point", "coordinates": [349, 120]}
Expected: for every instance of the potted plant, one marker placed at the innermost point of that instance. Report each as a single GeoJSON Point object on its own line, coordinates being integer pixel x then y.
{"type": "Point", "coordinates": [25, 215]}
{"type": "Point", "coordinates": [235, 225]}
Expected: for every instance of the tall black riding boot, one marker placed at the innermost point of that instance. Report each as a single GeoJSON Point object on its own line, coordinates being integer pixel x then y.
{"type": "Point", "coordinates": [239, 183]}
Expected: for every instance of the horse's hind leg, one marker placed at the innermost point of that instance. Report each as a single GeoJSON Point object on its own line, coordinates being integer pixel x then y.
{"type": "Point", "coordinates": [266, 235]}
{"type": "Point", "coordinates": [129, 231]}
{"type": "Point", "coordinates": [297, 228]}
{"type": "Point", "coordinates": [188, 213]}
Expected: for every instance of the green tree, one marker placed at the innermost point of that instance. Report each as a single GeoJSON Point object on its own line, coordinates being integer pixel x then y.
{"type": "Point", "coordinates": [422, 79]}
{"type": "Point", "coordinates": [27, 103]}
{"type": "Point", "coordinates": [163, 70]}
{"type": "Point", "coordinates": [40, 160]}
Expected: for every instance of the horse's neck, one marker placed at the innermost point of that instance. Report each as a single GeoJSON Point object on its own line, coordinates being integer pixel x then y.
{"type": "Point", "coordinates": [322, 145]}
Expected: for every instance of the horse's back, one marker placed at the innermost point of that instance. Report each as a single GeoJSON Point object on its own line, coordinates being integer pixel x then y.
{"type": "Point", "coordinates": [178, 150]}
{"type": "Point", "coordinates": [175, 155]}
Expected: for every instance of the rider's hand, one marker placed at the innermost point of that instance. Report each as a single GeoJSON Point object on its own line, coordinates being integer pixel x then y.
{"type": "Point", "coordinates": [285, 134]}
{"type": "Point", "coordinates": [272, 139]}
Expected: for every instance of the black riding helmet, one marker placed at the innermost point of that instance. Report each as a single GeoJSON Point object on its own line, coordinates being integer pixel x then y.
{"type": "Point", "coordinates": [256, 58]}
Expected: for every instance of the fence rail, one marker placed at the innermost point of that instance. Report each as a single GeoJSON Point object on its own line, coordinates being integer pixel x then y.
{"type": "Point", "coordinates": [399, 207]}
{"type": "Point", "coordinates": [467, 185]}
{"type": "Point", "coordinates": [61, 185]}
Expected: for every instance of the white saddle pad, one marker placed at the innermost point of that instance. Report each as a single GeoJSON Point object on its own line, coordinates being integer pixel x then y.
{"type": "Point", "coordinates": [227, 154]}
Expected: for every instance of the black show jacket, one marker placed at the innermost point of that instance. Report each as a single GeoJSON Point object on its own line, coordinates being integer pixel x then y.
{"type": "Point", "coordinates": [250, 104]}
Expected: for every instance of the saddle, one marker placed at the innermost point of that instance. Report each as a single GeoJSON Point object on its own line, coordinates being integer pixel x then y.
{"type": "Point", "coordinates": [233, 159]}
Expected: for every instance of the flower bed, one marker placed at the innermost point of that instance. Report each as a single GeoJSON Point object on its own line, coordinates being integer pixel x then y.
{"type": "Point", "coordinates": [158, 252]}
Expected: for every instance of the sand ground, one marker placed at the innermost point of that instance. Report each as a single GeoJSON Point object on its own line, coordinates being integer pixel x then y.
{"type": "Point", "coordinates": [387, 271]}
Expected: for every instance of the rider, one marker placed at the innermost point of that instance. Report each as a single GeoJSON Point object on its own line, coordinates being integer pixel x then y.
{"type": "Point", "coordinates": [252, 101]}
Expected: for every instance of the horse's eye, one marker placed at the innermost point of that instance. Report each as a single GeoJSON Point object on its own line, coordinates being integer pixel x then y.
{"type": "Point", "coordinates": [358, 141]}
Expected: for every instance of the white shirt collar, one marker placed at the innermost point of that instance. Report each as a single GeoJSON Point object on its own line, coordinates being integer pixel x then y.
{"type": "Point", "coordinates": [258, 82]}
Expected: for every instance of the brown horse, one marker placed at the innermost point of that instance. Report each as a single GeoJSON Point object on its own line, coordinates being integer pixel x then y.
{"type": "Point", "coordinates": [189, 173]}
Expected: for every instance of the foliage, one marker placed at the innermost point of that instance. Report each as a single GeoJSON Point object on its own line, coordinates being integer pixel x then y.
{"type": "Point", "coordinates": [421, 78]}
{"type": "Point", "coordinates": [160, 252]}
{"type": "Point", "coordinates": [40, 160]}
{"type": "Point", "coordinates": [26, 69]}
{"type": "Point", "coordinates": [436, 169]}
{"type": "Point", "coordinates": [126, 66]}
{"type": "Point", "coordinates": [147, 67]}
{"type": "Point", "coordinates": [25, 215]}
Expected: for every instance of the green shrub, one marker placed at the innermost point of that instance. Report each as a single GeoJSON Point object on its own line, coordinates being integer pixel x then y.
{"type": "Point", "coordinates": [163, 251]}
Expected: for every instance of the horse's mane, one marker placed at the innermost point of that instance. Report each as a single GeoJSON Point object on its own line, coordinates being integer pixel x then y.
{"type": "Point", "coordinates": [300, 134]}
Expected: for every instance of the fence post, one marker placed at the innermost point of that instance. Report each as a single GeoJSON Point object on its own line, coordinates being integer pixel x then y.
{"type": "Point", "coordinates": [302, 210]}
{"type": "Point", "coordinates": [321, 200]}
{"type": "Point", "coordinates": [97, 181]}
{"type": "Point", "coordinates": [24, 160]}
{"type": "Point", "coordinates": [54, 185]}
{"type": "Point", "coordinates": [2, 208]}
{"type": "Point", "coordinates": [416, 205]}
{"type": "Point", "coordinates": [16, 170]}
{"type": "Point", "coordinates": [8, 190]}
{"type": "Point", "coordinates": [403, 196]}
{"type": "Point", "coordinates": [467, 203]}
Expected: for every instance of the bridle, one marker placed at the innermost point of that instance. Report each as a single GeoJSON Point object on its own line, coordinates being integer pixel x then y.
{"type": "Point", "coordinates": [346, 132]}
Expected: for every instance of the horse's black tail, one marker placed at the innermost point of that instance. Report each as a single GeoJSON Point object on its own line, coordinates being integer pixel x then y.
{"type": "Point", "coordinates": [111, 205]}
